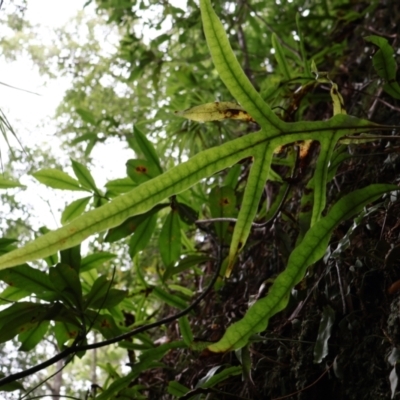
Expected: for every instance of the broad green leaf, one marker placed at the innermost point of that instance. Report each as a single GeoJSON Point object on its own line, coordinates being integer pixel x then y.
{"type": "Point", "coordinates": [30, 338]}
{"type": "Point", "coordinates": [111, 298]}
{"type": "Point", "coordinates": [182, 289]}
{"type": "Point", "coordinates": [232, 177]}
{"type": "Point", "coordinates": [141, 170]}
{"type": "Point", "coordinates": [186, 263]}
{"type": "Point", "coordinates": [66, 282]}
{"type": "Point", "coordinates": [186, 331]}
{"type": "Point", "coordinates": [96, 260]}
{"type": "Point", "coordinates": [28, 279]}
{"type": "Point", "coordinates": [64, 332]}
{"type": "Point", "coordinates": [104, 323]}
{"type": "Point", "coordinates": [170, 239]}
{"type": "Point", "coordinates": [142, 235]}
{"type": "Point", "coordinates": [187, 214]}
{"type": "Point", "coordinates": [71, 257]}
{"type": "Point", "coordinates": [158, 352]}
{"type": "Point", "coordinates": [6, 242]}
{"type": "Point", "coordinates": [176, 180]}
{"type": "Point", "coordinates": [116, 386]}
{"type": "Point", "coordinates": [9, 184]}
{"type": "Point", "coordinates": [310, 250]}
{"type": "Point", "coordinates": [22, 316]}
{"type": "Point", "coordinates": [146, 148]}
{"type": "Point", "coordinates": [131, 224]}
{"type": "Point", "coordinates": [385, 65]}
{"type": "Point", "coordinates": [98, 291]}
{"type": "Point", "coordinates": [306, 65]}
{"type": "Point", "coordinates": [176, 389]}
{"type": "Point", "coordinates": [222, 202]}
{"type": "Point", "coordinates": [172, 300]}
{"type": "Point", "coordinates": [73, 210]}
{"type": "Point", "coordinates": [120, 185]}
{"type": "Point", "coordinates": [57, 179]}
{"type": "Point", "coordinates": [231, 72]}
{"type": "Point", "coordinates": [12, 294]}
{"type": "Point", "coordinates": [84, 176]}
{"type": "Point", "coordinates": [86, 115]}
{"type": "Point", "coordinates": [51, 259]}
{"type": "Point", "coordinates": [281, 58]}
{"type": "Point", "coordinates": [252, 195]}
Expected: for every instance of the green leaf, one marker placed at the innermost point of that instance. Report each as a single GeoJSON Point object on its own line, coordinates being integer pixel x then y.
{"type": "Point", "coordinates": [187, 214]}
{"type": "Point", "coordinates": [157, 353]}
{"type": "Point", "coordinates": [385, 65]}
{"type": "Point", "coordinates": [95, 260]}
{"type": "Point", "coordinates": [66, 282]}
{"type": "Point", "coordinates": [146, 147]}
{"type": "Point", "coordinates": [75, 209]}
{"type": "Point", "coordinates": [71, 257]}
{"type": "Point", "coordinates": [142, 235]}
{"type": "Point", "coordinates": [141, 170]}
{"type": "Point", "coordinates": [57, 179]}
{"type": "Point", "coordinates": [170, 299]}
{"type": "Point", "coordinates": [255, 185]}
{"type": "Point", "coordinates": [28, 279]}
{"type": "Point", "coordinates": [176, 389]}
{"type": "Point", "coordinates": [111, 298]}
{"type": "Point", "coordinates": [98, 291]}
{"type": "Point", "coordinates": [306, 66]}
{"type": "Point", "coordinates": [6, 242]}
{"type": "Point", "coordinates": [11, 294]}
{"type": "Point", "coordinates": [86, 115]}
{"type": "Point", "coordinates": [324, 333]}
{"type": "Point", "coordinates": [310, 250]}
{"type": "Point", "coordinates": [186, 331]}
{"type": "Point", "coordinates": [104, 324]}
{"type": "Point", "coordinates": [116, 386]}
{"type": "Point", "coordinates": [176, 180]}
{"type": "Point", "coordinates": [184, 264]}
{"type": "Point", "coordinates": [170, 239]}
{"type": "Point", "coordinates": [84, 176]}
{"type": "Point", "coordinates": [131, 224]}
{"type": "Point", "coordinates": [222, 202]}
{"type": "Point", "coordinates": [9, 184]}
{"type": "Point", "coordinates": [231, 72]}
{"type": "Point", "coordinates": [120, 185]}
{"type": "Point", "coordinates": [280, 57]}
{"type": "Point", "coordinates": [212, 379]}
{"type": "Point", "coordinates": [64, 332]}
{"type": "Point", "coordinates": [22, 316]}
{"type": "Point", "coordinates": [233, 175]}
{"type": "Point", "coordinates": [31, 338]}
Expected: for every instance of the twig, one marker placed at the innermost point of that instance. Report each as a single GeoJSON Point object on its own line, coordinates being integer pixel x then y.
{"type": "Point", "coordinates": [307, 387]}
{"type": "Point", "coordinates": [76, 348]}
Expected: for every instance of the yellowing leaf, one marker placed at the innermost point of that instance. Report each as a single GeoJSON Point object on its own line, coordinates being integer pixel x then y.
{"type": "Point", "coordinates": [216, 111]}
{"type": "Point", "coordinates": [337, 99]}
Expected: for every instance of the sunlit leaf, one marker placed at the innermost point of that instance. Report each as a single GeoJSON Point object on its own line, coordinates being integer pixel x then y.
{"type": "Point", "coordinates": [57, 179]}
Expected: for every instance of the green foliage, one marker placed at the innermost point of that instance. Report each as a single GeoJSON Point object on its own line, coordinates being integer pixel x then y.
{"type": "Point", "coordinates": [154, 210]}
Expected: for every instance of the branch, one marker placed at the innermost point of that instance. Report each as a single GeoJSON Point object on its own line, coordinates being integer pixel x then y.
{"type": "Point", "coordinates": [76, 348]}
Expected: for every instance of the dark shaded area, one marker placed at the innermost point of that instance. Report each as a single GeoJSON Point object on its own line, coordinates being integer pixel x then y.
{"type": "Point", "coordinates": [355, 283]}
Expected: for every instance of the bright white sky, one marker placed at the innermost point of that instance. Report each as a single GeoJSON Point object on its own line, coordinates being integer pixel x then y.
{"type": "Point", "coordinates": [31, 117]}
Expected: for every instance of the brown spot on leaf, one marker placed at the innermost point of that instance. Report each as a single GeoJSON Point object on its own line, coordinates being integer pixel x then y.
{"type": "Point", "coordinates": [141, 169]}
